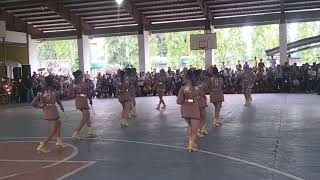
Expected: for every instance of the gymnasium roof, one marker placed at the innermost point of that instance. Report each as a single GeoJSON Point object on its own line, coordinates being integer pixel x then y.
{"type": "Point", "coordinates": [296, 46]}
{"type": "Point", "coordinates": [69, 18]}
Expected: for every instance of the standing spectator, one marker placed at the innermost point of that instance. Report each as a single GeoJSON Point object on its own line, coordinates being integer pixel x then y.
{"type": "Point", "coordinates": [90, 85]}
{"type": "Point", "coordinates": [318, 79]}
{"type": "Point", "coordinates": [110, 88]}
{"type": "Point", "coordinates": [261, 64]}
{"type": "Point", "coordinates": [246, 65]}
{"type": "Point", "coordinates": [35, 85]}
{"type": "Point", "coordinates": [270, 80]}
{"type": "Point", "coordinates": [27, 84]}
{"type": "Point", "coordinates": [255, 64]}
{"type": "Point", "coordinates": [141, 83]}
{"type": "Point", "coordinates": [239, 66]}
{"type": "Point", "coordinates": [99, 85]}
{"type": "Point", "coordinates": [279, 78]}
{"type": "Point", "coordinates": [272, 62]}
{"type": "Point", "coordinates": [223, 67]}
{"type": "Point", "coordinates": [178, 82]}
{"type": "Point", "coordinates": [312, 75]}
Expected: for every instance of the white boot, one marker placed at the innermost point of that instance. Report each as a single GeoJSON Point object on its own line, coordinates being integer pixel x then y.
{"type": "Point", "coordinates": [219, 121]}
{"type": "Point", "coordinates": [216, 123]}
{"type": "Point", "coordinates": [60, 143]}
{"type": "Point", "coordinates": [124, 123]}
{"type": "Point", "coordinates": [134, 111]}
{"type": "Point", "coordinates": [91, 132]}
{"type": "Point", "coordinates": [76, 135]}
{"type": "Point", "coordinates": [158, 107]}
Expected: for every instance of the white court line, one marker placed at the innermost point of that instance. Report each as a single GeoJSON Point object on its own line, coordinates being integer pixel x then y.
{"type": "Point", "coordinates": [87, 164]}
{"type": "Point", "coordinates": [76, 171]}
{"type": "Point", "coordinates": [178, 147]}
{"type": "Point", "coordinates": [75, 152]}
{"type": "Point", "coordinates": [40, 161]}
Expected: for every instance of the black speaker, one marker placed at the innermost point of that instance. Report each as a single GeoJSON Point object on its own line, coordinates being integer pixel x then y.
{"type": "Point", "coordinates": [26, 71]}
{"type": "Point", "coordinates": [3, 71]}
{"type": "Point", "coordinates": [17, 73]}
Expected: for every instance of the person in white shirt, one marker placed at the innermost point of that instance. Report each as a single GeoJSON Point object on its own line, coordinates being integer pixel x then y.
{"type": "Point", "coordinates": [312, 75]}
{"type": "Point", "coordinates": [246, 65]}
{"type": "Point", "coordinates": [223, 67]}
{"type": "Point", "coordinates": [272, 62]}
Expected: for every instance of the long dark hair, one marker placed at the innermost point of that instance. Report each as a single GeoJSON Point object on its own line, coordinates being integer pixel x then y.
{"type": "Point", "coordinates": [194, 76]}
{"type": "Point", "coordinates": [77, 74]}
{"type": "Point", "coordinates": [121, 75]}
{"type": "Point", "coordinates": [49, 80]}
{"type": "Point", "coordinates": [215, 72]}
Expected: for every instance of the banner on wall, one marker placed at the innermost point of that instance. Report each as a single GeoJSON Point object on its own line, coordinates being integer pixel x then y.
{"type": "Point", "coordinates": [2, 29]}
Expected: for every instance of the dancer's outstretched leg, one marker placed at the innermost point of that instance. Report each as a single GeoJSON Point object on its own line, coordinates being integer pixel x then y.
{"type": "Point", "coordinates": [217, 120]}
{"type": "Point", "coordinates": [195, 124]}
{"type": "Point", "coordinates": [202, 130]}
{"type": "Point", "coordinates": [84, 120]}
{"type": "Point", "coordinates": [53, 130]}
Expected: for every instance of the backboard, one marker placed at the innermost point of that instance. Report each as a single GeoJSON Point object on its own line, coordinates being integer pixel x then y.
{"type": "Point", "coordinates": [203, 41]}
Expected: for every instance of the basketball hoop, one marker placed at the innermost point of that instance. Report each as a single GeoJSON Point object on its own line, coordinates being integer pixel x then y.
{"type": "Point", "coordinates": [203, 41]}
{"type": "Point", "coordinates": [203, 45]}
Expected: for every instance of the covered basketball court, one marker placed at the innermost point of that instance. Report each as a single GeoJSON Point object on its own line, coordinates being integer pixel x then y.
{"type": "Point", "coordinates": [274, 139]}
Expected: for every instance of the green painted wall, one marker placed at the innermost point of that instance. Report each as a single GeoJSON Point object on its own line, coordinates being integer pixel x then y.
{"type": "Point", "coordinates": [15, 52]}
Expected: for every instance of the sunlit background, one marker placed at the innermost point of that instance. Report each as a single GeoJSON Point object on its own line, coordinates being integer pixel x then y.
{"type": "Point", "coordinates": [173, 49]}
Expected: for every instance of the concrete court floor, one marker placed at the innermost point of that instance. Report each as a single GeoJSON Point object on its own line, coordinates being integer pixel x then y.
{"type": "Point", "coordinates": [276, 138]}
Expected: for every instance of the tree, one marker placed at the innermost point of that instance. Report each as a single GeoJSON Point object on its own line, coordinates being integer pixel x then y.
{"type": "Point", "coordinates": [230, 46]}
{"type": "Point", "coordinates": [178, 45]}
{"type": "Point", "coordinates": [306, 30]}
{"type": "Point", "coordinates": [63, 50]}
{"type": "Point", "coordinates": [155, 48]}
{"type": "Point", "coordinates": [122, 50]}
{"type": "Point", "coordinates": [263, 38]}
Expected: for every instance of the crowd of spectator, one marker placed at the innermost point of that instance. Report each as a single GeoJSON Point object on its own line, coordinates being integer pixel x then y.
{"type": "Point", "coordinates": [279, 79]}
{"type": "Point", "coordinates": [24, 89]}
{"type": "Point", "coordinates": [273, 79]}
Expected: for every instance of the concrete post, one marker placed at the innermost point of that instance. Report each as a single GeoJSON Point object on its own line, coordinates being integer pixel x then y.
{"type": "Point", "coordinates": [33, 54]}
{"type": "Point", "coordinates": [84, 53]}
{"type": "Point", "coordinates": [209, 53]}
{"type": "Point", "coordinates": [283, 40]}
{"type": "Point", "coordinates": [144, 55]}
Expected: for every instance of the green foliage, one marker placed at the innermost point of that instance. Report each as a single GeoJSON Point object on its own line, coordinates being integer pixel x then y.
{"type": "Point", "coordinates": [177, 45]}
{"type": "Point", "coordinates": [122, 50]}
{"type": "Point", "coordinates": [74, 64]}
{"type": "Point", "coordinates": [64, 50]}
{"type": "Point", "coordinates": [263, 38]}
{"type": "Point", "coordinates": [154, 49]}
{"type": "Point", "coordinates": [306, 30]}
{"type": "Point", "coordinates": [174, 46]}
{"type": "Point", "coordinates": [231, 46]}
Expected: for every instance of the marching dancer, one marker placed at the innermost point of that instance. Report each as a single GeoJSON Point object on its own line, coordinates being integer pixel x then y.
{"type": "Point", "coordinates": [161, 82]}
{"type": "Point", "coordinates": [82, 92]}
{"type": "Point", "coordinates": [46, 100]}
{"type": "Point", "coordinates": [216, 95]}
{"type": "Point", "coordinates": [189, 98]}
{"type": "Point", "coordinates": [247, 81]}
{"type": "Point", "coordinates": [204, 88]}
{"type": "Point", "coordinates": [123, 93]}
{"type": "Point", "coordinates": [133, 89]}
